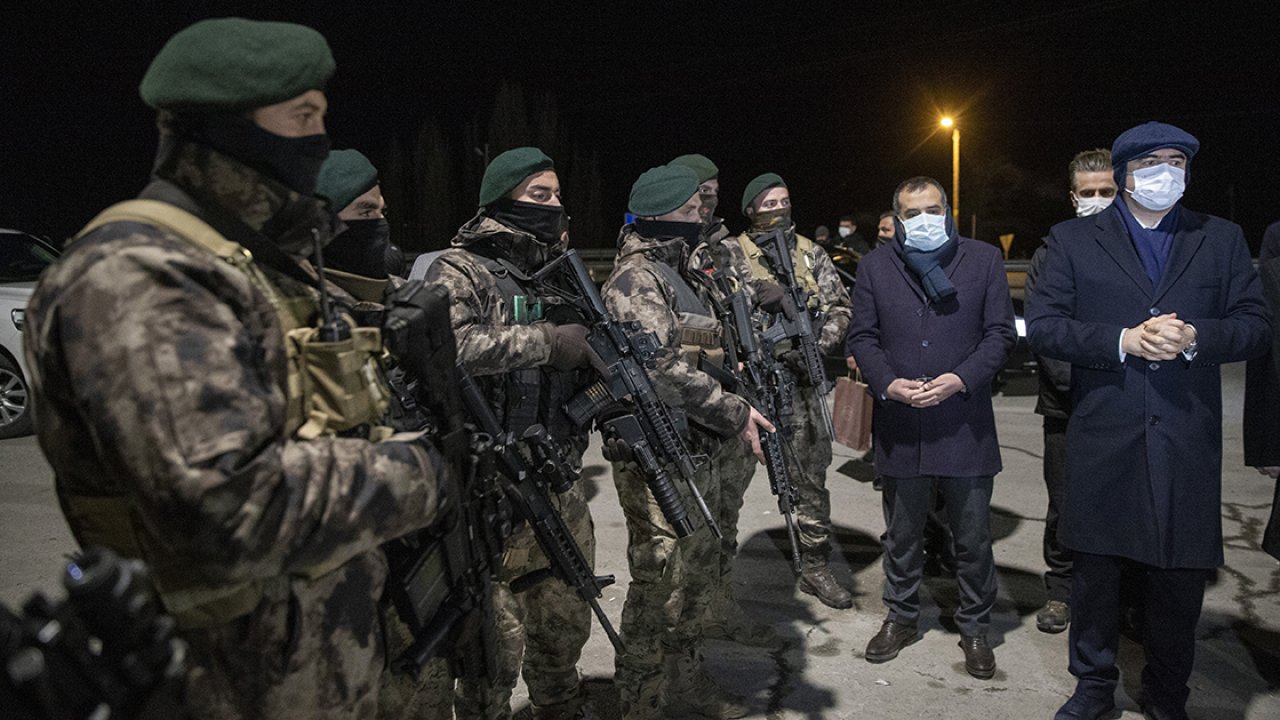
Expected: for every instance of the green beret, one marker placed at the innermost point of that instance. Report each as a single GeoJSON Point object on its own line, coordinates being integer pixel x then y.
{"type": "Point", "coordinates": [662, 189]}
{"type": "Point", "coordinates": [233, 64]}
{"type": "Point", "coordinates": [510, 169]}
{"type": "Point", "coordinates": [700, 164]}
{"type": "Point", "coordinates": [759, 185]}
{"type": "Point", "coordinates": [345, 176]}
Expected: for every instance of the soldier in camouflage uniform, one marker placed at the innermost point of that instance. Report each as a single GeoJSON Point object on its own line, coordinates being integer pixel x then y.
{"type": "Point", "coordinates": [673, 578]}
{"type": "Point", "coordinates": [528, 366]}
{"type": "Point", "coordinates": [726, 620]}
{"type": "Point", "coordinates": [356, 259]}
{"type": "Point", "coordinates": [767, 204]}
{"type": "Point", "coordinates": [171, 379]}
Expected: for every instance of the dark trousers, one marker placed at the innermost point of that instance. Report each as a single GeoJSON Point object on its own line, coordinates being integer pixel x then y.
{"type": "Point", "coordinates": [1172, 599]}
{"type": "Point", "coordinates": [1057, 580]}
{"type": "Point", "coordinates": [907, 502]}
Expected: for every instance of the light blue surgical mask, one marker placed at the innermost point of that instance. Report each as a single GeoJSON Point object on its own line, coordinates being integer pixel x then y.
{"type": "Point", "coordinates": [1158, 187]}
{"type": "Point", "coordinates": [925, 232]}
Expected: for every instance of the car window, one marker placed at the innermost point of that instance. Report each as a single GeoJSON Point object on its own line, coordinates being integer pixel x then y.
{"type": "Point", "coordinates": [23, 258]}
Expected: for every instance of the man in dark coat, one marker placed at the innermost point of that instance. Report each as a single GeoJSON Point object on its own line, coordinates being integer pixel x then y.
{"type": "Point", "coordinates": [1145, 299]}
{"type": "Point", "coordinates": [1262, 392]}
{"type": "Point", "coordinates": [1093, 189]}
{"type": "Point", "coordinates": [932, 324]}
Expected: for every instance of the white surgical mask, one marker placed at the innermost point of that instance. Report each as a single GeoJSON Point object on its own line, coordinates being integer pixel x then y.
{"type": "Point", "coordinates": [1091, 205]}
{"type": "Point", "coordinates": [844, 231]}
{"type": "Point", "coordinates": [926, 232]}
{"type": "Point", "coordinates": [1158, 187]}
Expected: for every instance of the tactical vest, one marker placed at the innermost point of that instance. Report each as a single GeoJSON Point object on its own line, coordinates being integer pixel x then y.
{"type": "Point", "coordinates": [529, 396]}
{"type": "Point", "coordinates": [802, 258]}
{"type": "Point", "coordinates": [701, 335]}
{"type": "Point", "coordinates": [332, 387]}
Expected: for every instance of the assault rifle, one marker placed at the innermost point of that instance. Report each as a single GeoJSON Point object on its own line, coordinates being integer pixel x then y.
{"type": "Point", "coordinates": [526, 486]}
{"type": "Point", "coordinates": [772, 392]}
{"type": "Point", "coordinates": [803, 336]}
{"type": "Point", "coordinates": [441, 582]}
{"type": "Point", "coordinates": [106, 651]}
{"type": "Point", "coordinates": [441, 586]}
{"type": "Point", "coordinates": [625, 403]}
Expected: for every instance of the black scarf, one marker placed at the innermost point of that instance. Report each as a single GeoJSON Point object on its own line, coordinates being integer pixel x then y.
{"type": "Point", "coordinates": [928, 266]}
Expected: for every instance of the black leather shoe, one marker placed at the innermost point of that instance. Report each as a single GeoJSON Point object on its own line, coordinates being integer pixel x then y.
{"type": "Point", "coordinates": [1087, 707]}
{"type": "Point", "coordinates": [979, 661]}
{"type": "Point", "coordinates": [887, 643]}
{"type": "Point", "coordinates": [1157, 712]}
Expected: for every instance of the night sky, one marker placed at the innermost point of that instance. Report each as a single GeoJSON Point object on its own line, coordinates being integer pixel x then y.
{"type": "Point", "coordinates": [843, 102]}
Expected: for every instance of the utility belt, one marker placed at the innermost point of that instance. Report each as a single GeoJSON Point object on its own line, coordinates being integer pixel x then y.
{"type": "Point", "coordinates": [332, 388]}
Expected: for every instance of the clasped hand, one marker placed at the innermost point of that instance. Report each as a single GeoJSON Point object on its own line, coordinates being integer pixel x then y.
{"type": "Point", "coordinates": [1159, 338]}
{"type": "Point", "coordinates": [925, 393]}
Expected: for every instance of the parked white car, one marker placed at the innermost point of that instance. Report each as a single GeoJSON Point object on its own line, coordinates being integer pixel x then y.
{"type": "Point", "coordinates": [22, 259]}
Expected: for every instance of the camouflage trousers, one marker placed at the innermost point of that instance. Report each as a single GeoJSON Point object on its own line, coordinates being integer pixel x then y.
{"type": "Point", "coordinates": [311, 648]}
{"type": "Point", "coordinates": [672, 579]}
{"type": "Point", "coordinates": [541, 632]}
{"type": "Point", "coordinates": [736, 472]}
{"type": "Point", "coordinates": [812, 449]}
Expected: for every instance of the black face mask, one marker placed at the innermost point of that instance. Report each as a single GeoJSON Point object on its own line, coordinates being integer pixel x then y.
{"type": "Point", "coordinates": [689, 232]}
{"type": "Point", "coordinates": [295, 162]}
{"type": "Point", "coordinates": [546, 223]}
{"type": "Point", "coordinates": [361, 249]}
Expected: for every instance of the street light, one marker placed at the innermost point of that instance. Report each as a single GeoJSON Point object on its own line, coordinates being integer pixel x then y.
{"type": "Point", "coordinates": [948, 122]}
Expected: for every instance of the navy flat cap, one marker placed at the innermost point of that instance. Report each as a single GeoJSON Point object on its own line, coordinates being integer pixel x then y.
{"type": "Point", "coordinates": [1148, 137]}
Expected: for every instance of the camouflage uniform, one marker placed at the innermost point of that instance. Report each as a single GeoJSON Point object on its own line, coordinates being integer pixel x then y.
{"type": "Point", "coordinates": [548, 624]}
{"type": "Point", "coordinates": [162, 386]}
{"type": "Point", "coordinates": [725, 617]}
{"type": "Point", "coordinates": [672, 579]}
{"type": "Point", "coordinates": [828, 296]}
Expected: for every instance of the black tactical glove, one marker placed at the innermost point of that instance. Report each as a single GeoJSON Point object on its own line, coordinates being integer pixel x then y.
{"type": "Point", "coordinates": [570, 349]}
{"type": "Point", "coordinates": [616, 450]}
{"type": "Point", "coordinates": [772, 298]}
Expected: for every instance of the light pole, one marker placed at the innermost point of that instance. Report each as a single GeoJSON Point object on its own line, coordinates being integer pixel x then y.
{"type": "Point", "coordinates": [948, 122]}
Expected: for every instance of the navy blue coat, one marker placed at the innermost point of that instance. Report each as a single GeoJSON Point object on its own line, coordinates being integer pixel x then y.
{"type": "Point", "coordinates": [1144, 446]}
{"type": "Point", "coordinates": [896, 333]}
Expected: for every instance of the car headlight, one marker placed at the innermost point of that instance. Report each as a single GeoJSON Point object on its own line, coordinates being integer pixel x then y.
{"type": "Point", "coordinates": [18, 315]}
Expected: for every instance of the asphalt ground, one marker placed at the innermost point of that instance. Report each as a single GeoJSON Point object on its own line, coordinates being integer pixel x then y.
{"type": "Point", "coordinates": [820, 672]}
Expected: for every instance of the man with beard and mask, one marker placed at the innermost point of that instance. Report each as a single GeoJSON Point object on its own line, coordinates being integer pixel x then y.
{"type": "Point", "coordinates": [1146, 300]}
{"type": "Point", "coordinates": [674, 578]}
{"type": "Point", "coordinates": [712, 252]}
{"type": "Point", "coordinates": [172, 403]}
{"type": "Point", "coordinates": [529, 361]}
{"type": "Point", "coordinates": [1092, 189]}
{"type": "Point", "coordinates": [932, 325]}
{"type": "Point", "coordinates": [767, 204]}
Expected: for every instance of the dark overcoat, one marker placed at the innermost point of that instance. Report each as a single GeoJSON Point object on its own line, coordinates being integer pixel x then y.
{"type": "Point", "coordinates": [897, 333]}
{"type": "Point", "coordinates": [1144, 446]}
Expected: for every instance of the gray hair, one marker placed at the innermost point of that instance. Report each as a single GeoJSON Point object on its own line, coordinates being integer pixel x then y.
{"type": "Point", "coordinates": [916, 184]}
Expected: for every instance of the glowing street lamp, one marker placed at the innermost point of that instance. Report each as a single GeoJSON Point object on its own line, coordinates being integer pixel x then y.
{"type": "Point", "coordinates": [948, 122]}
